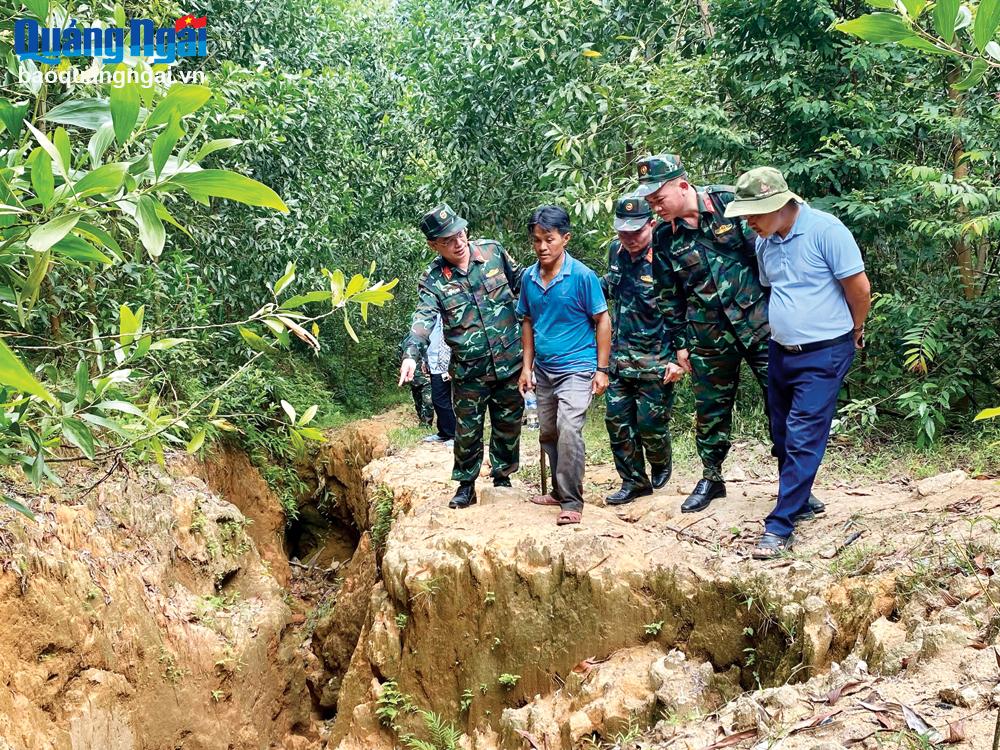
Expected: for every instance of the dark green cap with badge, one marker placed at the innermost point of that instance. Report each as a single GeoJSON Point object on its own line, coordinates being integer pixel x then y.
{"type": "Point", "coordinates": [656, 170]}
{"type": "Point", "coordinates": [441, 221]}
{"type": "Point", "coordinates": [760, 191]}
{"type": "Point", "coordinates": [632, 213]}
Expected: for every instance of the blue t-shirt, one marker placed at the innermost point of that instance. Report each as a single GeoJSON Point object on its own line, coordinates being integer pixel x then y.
{"type": "Point", "coordinates": [562, 316]}
{"type": "Point", "coordinates": [803, 270]}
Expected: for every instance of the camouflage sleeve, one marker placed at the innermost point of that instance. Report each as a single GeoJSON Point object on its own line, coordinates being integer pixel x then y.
{"type": "Point", "coordinates": [671, 299]}
{"type": "Point", "coordinates": [512, 269]}
{"type": "Point", "coordinates": [749, 245]}
{"type": "Point", "coordinates": [422, 323]}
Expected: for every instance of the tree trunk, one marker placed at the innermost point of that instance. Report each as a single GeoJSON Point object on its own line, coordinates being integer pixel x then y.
{"type": "Point", "coordinates": [705, 19]}
{"type": "Point", "coordinates": [960, 170]}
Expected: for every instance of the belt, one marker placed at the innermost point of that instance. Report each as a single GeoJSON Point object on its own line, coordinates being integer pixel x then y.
{"type": "Point", "coordinates": [814, 345]}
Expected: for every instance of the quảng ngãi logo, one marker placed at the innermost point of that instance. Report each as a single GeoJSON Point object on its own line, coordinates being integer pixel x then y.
{"type": "Point", "coordinates": [44, 44]}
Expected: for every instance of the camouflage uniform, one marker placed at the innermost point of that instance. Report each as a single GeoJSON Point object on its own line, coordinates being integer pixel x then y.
{"type": "Point", "coordinates": [477, 311]}
{"type": "Point", "coordinates": [420, 387]}
{"type": "Point", "coordinates": [714, 265]}
{"type": "Point", "coordinates": [638, 401]}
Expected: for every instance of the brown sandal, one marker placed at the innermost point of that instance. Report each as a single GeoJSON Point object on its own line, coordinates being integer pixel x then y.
{"type": "Point", "coordinates": [568, 517]}
{"type": "Point", "coordinates": [544, 500]}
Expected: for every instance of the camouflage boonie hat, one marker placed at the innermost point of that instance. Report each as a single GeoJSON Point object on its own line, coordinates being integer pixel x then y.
{"type": "Point", "coordinates": [656, 170]}
{"type": "Point", "coordinates": [760, 191]}
{"type": "Point", "coordinates": [441, 221]}
{"type": "Point", "coordinates": [631, 213]}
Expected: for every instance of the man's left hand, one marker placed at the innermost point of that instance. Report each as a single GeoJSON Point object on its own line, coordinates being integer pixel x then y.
{"type": "Point", "coordinates": [673, 373]}
{"type": "Point", "coordinates": [599, 384]}
{"type": "Point", "coordinates": [859, 338]}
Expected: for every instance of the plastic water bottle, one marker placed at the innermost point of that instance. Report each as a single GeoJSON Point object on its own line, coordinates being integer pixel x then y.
{"type": "Point", "coordinates": [530, 411]}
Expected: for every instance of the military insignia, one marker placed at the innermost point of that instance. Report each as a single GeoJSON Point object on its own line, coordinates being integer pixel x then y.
{"type": "Point", "coordinates": [647, 279]}
{"type": "Point", "coordinates": [649, 255]}
{"type": "Point", "coordinates": [443, 214]}
{"type": "Point", "coordinates": [724, 228]}
{"type": "Point", "coordinates": [447, 272]}
{"type": "Point", "coordinates": [613, 268]}
{"type": "Point", "coordinates": [494, 272]}
{"type": "Point", "coordinates": [765, 189]}
{"type": "Point", "coordinates": [643, 169]}
{"type": "Point", "coordinates": [629, 206]}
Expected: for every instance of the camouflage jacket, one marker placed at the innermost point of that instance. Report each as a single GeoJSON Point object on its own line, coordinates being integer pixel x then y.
{"type": "Point", "coordinates": [714, 267]}
{"type": "Point", "coordinates": [641, 337]}
{"type": "Point", "coordinates": [477, 313]}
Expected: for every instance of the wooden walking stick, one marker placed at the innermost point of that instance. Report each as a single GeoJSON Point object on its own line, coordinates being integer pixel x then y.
{"type": "Point", "coordinates": [541, 463]}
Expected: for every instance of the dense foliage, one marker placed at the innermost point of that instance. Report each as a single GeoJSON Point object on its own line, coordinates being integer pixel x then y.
{"type": "Point", "coordinates": [360, 115]}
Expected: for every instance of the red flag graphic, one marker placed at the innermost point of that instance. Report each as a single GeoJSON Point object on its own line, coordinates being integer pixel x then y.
{"type": "Point", "coordinates": [199, 23]}
{"type": "Point", "coordinates": [183, 22]}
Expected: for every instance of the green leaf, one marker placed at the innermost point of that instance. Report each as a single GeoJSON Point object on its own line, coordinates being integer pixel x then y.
{"type": "Point", "coordinates": [14, 374]}
{"type": "Point", "coordinates": [79, 435]}
{"type": "Point", "coordinates": [215, 145]}
{"type": "Point", "coordinates": [164, 344]}
{"type": "Point", "coordinates": [129, 324]}
{"type": "Point", "coordinates": [307, 417]}
{"type": "Point", "coordinates": [45, 236]}
{"type": "Point", "coordinates": [945, 14]}
{"type": "Point", "coordinates": [50, 149]}
{"type": "Point", "coordinates": [182, 99]}
{"type": "Point", "coordinates": [151, 231]}
{"type": "Point", "coordinates": [88, 113]}
{"type": "Point", "coordinates": [42, 180]}
{"type": "Point", "coordinates": [122, 406]}
{"type": "Point", "coordinates": [350, 328]}
{"type": "Point", "coordinates": [61, 141]}
{"type": "Point", "coordinates": [12, 117]}
{"type": "Point", "coordinates": [987, 414]}
{"type": "Point", "coordinates": [987, 20]}
{"type": "Point", "coordinates": [221, 183]}
{"type": "Point", "coordinates": [289, 410]}
{"type": "Point", "coordinates": [99, 143]}
{"type": "Point", "coordinates": [918, 42]}
{"type": "Point", "coordinates": [882, 4]}
{"type": "Point", "coordinates": [976, 73]}
{"type": "Point", "coordinates": [877, 27]}
{"type": "Point", "coordinates": [164, 144]}
{"type": "Point", "coordinates": [120, 19]}
{"type": "Point", "coordinates": [38, 266]}
{"type": "Point", "coordinates": [19, 507]}
{"type": "Point", "coordinates": [196, 442]}
{"type": "Point", "coordinates": [914, 7]}
{"type": "Point", "coordinates": [293, 303]}
{"type": "Point", "coordinates": [254, 340]}
{"type": "Point", "coordinates": [80, 250]}
{"type": "Point", "coordinates": [82, 378]}
{"type": "Point", "coordinates": [100, 236]}
{"type": "Point", "coordinates": [311, 433]}
{"type": "Point", "coordinates": [124, 107]}
{"type": "Point", "coordinates": [287, 278]}
{"type": "Point", "coordinates": [105, 179]}
{"type": "Point", "coordinates": [38, 8]}
{"type": "Point", "coordinates": [356, 284]}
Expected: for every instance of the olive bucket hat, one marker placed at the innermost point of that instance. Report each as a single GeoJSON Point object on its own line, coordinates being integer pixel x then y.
{"type": "Point", "coordinates": [632, 213]}
{"type": "Point", "coordinates": [441, 221]}
{"type": "Point", "coordinates": [760, 191]}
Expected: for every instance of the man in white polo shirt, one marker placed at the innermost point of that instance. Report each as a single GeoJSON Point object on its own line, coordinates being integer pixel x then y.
{"type": "Point", "coordinates": [819, 299]}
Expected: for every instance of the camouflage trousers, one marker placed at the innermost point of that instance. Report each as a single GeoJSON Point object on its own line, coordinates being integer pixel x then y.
{"type": "Point", "coordinates": [716, 353]}
{"type": "Point", "coordinates": [423, 401]}
{"type": "Point", "coordinates": [638, 422]}
{"type": "Point", "coordinates": [471, 400]}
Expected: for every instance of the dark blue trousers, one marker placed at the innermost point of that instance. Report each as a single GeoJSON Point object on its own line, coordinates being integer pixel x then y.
{"type": "Point", "coordinates": [802, 393]}
{"type": "Point", "coordinates": [441, 397]}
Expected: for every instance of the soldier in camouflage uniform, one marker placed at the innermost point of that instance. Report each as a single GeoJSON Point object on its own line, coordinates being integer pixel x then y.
{"type": "Point", "coordinates": [420, 388]}
{"type": "Point", "coordinates": [720, 313]}
{"type": "Point", "coordinates": [473, 286]}
{"type": "Point", "coordinates": [641, 392]}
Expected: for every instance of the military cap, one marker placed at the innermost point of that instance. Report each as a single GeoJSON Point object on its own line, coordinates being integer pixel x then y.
{"type": "Point", "coordinates": [760, 191]}
{"type": "Point", "coordinates": [656, 170]}
{"type": "Point", "coordinates": [441, 221]}
{"type": "Point", "coordinates": [631, 213]}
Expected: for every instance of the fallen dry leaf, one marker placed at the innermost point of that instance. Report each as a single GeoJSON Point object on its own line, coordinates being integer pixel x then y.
{"type": "Point", "coordinates": [885, 721]}
{"type": "Point", "coordinates": [529, 739]}
{"type": "Point", "coordinates": [875, 707]}
{"type": "Point", "coordinates": [978, 644]}
{"type": "Point", "coordinates": [956, 732]}
{"type": "Point", "coordinates": [815, 721]}
{"type": "Point", "coordinates": [746, 734]}
{"type": "Point", "coordinates": [846, 689]}
{"type": "Point", "coordinates": [950, 599]}
{"type": "Point", "coordinates": [918, 724]}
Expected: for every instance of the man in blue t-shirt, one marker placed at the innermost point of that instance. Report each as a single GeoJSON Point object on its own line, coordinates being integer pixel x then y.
{"type": "Point", "coordinates": [820, 297]}
{"type": "Point", "coordinates": [566, 339]}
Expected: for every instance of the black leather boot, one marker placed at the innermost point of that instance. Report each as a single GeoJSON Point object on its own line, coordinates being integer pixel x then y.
{"type": "Point", "coordinates": [813, 509]}
{"type": "Point", "coordinates": [660, 475]}
{"type": "Point", "coordinates": [627, 494]}
{"type": "Point", "coordinates": [501, 481]}
{"type": "Point", "coordinates": [465, 496]}
{"type": "Point", "coordinates": [704, 493]}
